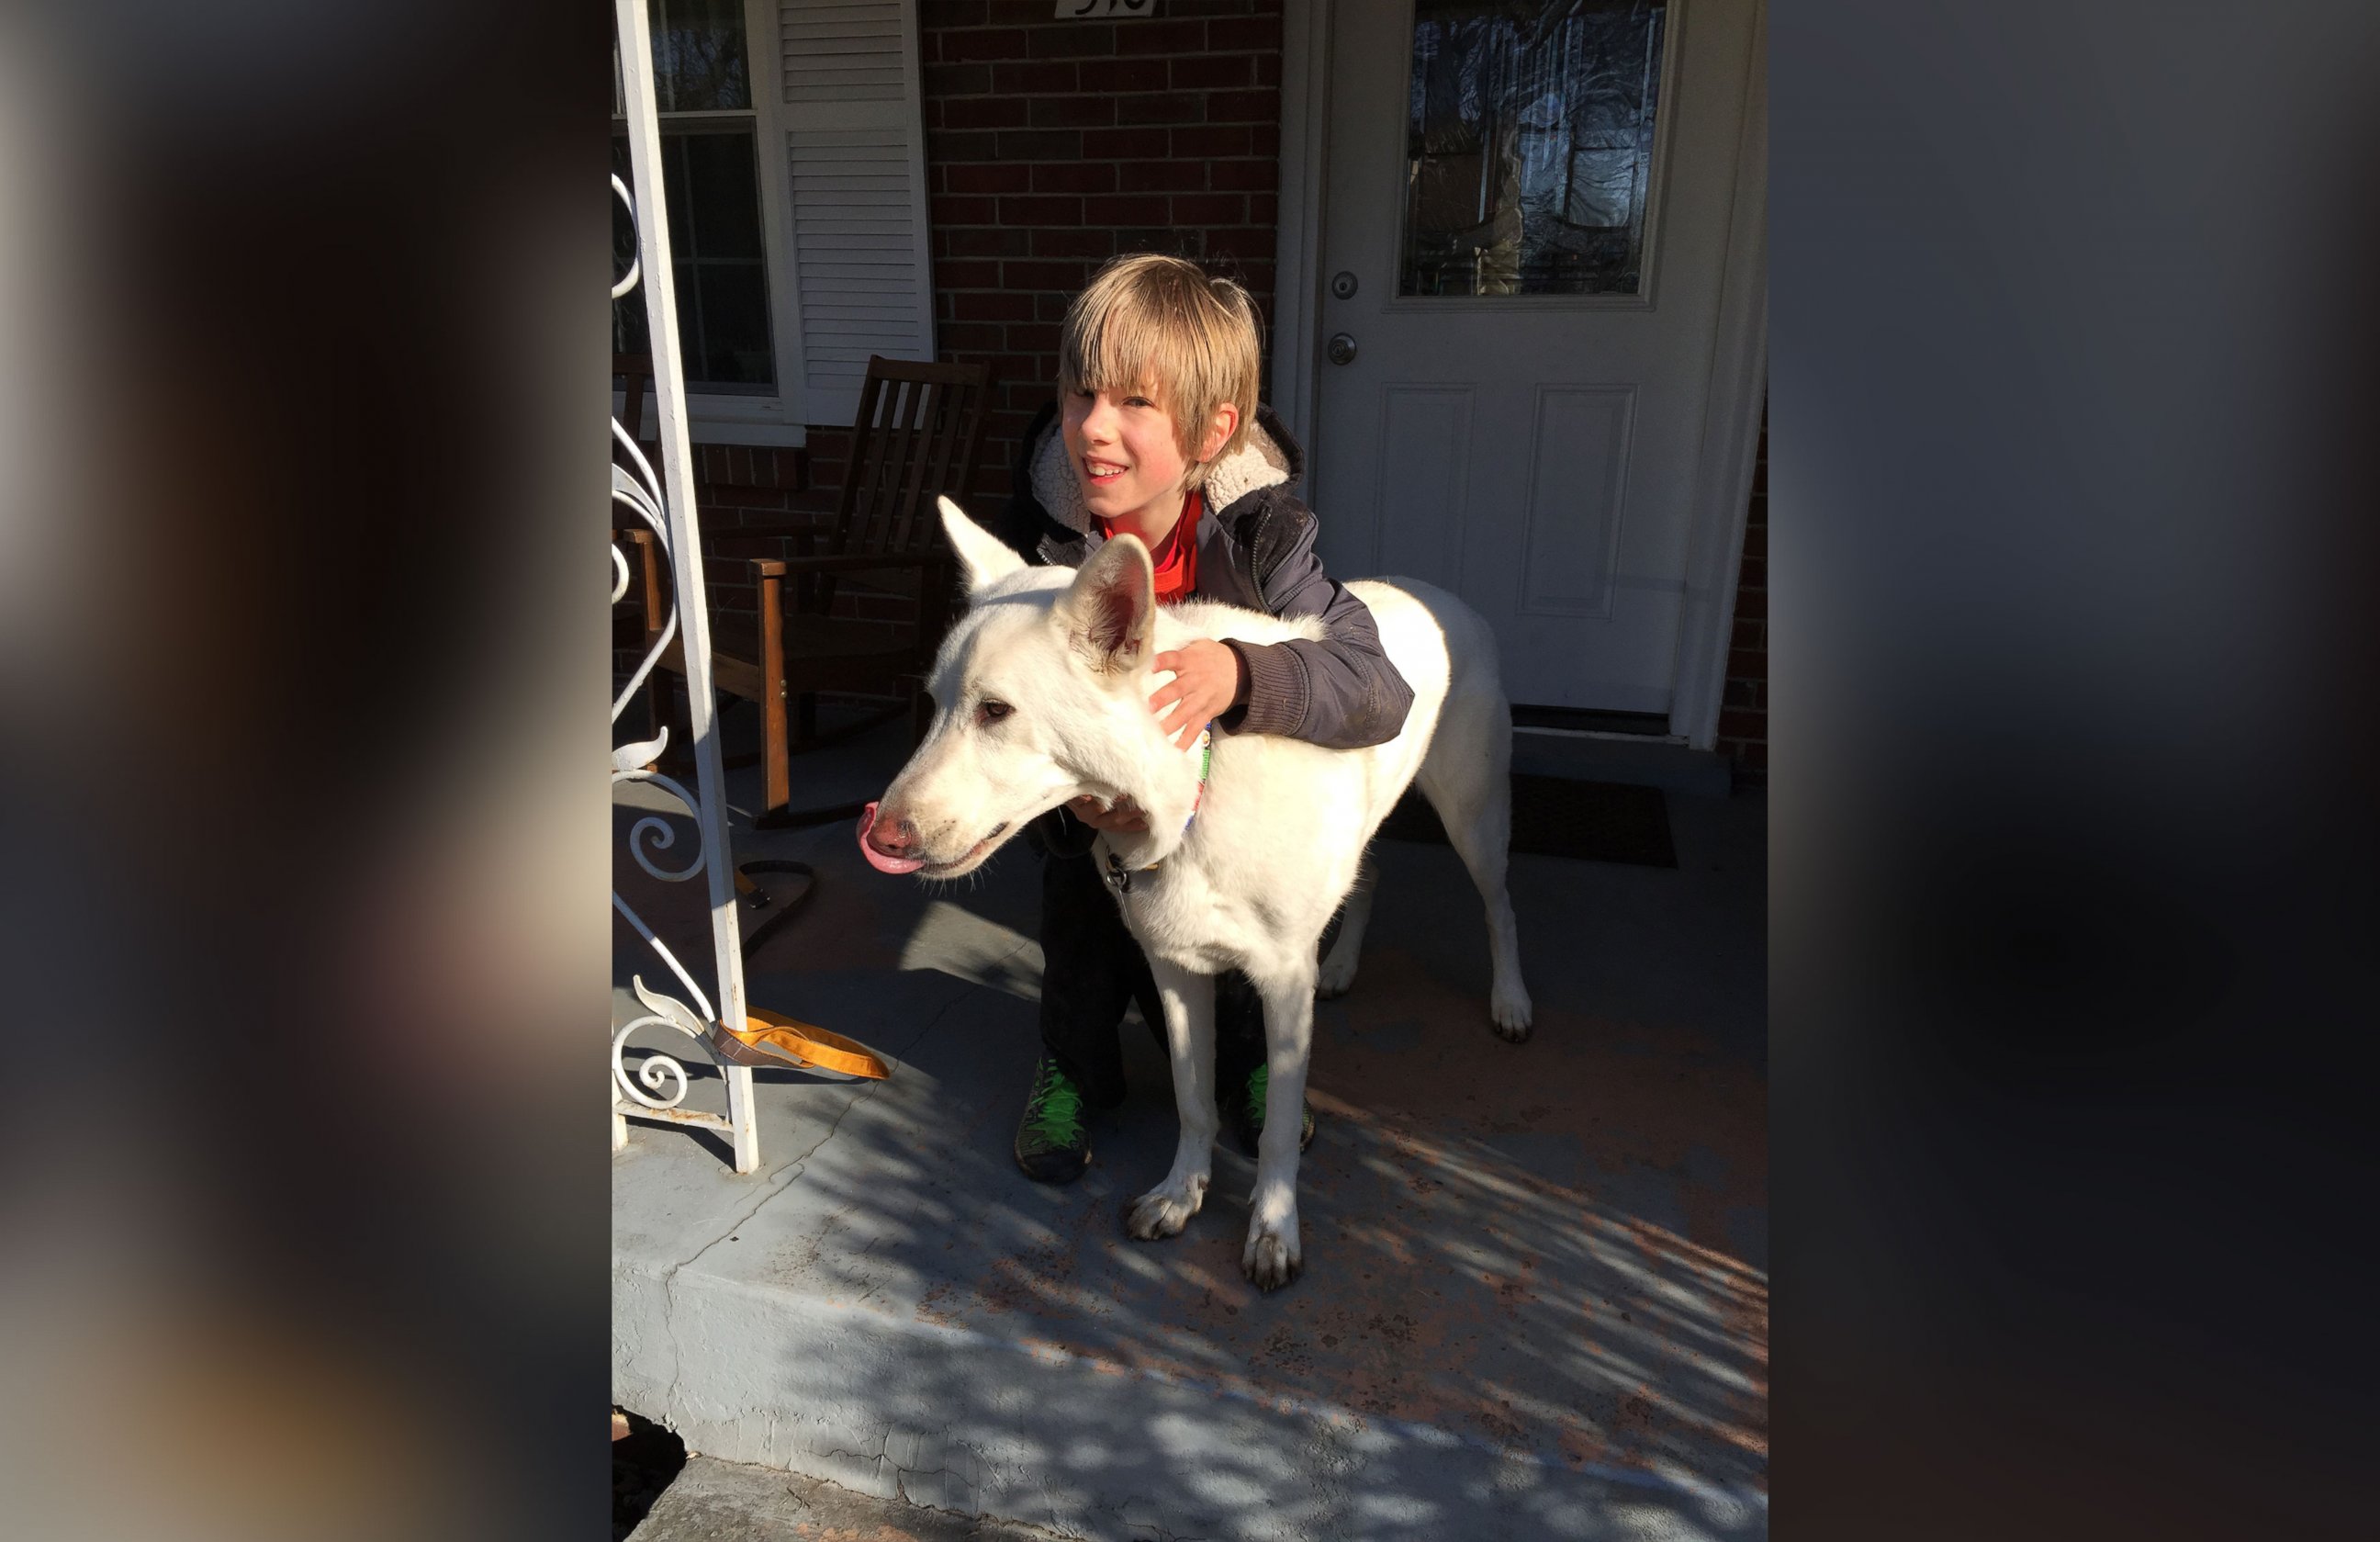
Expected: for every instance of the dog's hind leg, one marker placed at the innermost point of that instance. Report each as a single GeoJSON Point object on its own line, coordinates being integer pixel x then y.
{"type": "Point", "coordinates": [1473, 798]}
{"type": "Point", "coordinates": [1339, 968]}
{"type": "Point", "coordinates": [1272, 1256]}
{"type": "Point", "coordinates": [1190, 1041]}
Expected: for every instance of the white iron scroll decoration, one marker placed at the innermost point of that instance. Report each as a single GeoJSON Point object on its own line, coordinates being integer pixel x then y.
{"type": "Point", "coordinates": [657, 1088]}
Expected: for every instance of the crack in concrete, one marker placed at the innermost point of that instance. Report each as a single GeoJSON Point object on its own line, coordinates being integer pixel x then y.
{"type": "Point", "coordinates": [1157, 1529]}
{"type": "Point", "coordinates": [787, 1175]}
{"type": "Point", "coordinates": [986, 1468]}
{"type": "Point", "coordinates": [670, 1403]}
{"type": "Point", "coordinates": [783, 1177]}
{"type": "Point", "coordinates": [833, 1452]}
{"type": "Point", "coordinates": [976, 1520]}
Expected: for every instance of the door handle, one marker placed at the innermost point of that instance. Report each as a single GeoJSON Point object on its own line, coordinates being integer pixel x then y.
{"type": "Point", "coordinates": [1341, 348]}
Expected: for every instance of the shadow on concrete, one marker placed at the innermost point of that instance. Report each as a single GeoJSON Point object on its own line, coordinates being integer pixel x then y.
{"type": "Point", "coordinates": [1535, 1300]}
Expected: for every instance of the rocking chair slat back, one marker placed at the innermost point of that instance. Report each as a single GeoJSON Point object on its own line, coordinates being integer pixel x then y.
{"type": "Point", "coordinates": [919, 429]}
{"type": "Point", "coordinates": [945, 441]}
{"type": "Point", "coordinates": [902, 514]}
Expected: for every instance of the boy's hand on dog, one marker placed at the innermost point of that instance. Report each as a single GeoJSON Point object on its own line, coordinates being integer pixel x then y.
{"type": "Point", "coordinates": [1207, 683]}
{"type": "Point", "coordinates": [1125, 817]}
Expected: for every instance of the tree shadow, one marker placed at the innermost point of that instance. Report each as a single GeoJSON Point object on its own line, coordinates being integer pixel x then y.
{"type": "Point", "coordinates": [1534, 1303]}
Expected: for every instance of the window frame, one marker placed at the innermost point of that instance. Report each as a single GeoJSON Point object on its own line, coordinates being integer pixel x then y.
{"type": "Point", "coordinates": [750, 418]}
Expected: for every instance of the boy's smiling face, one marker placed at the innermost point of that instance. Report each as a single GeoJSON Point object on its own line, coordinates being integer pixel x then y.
{"type": "Point", "coordinates": [1126, 458]}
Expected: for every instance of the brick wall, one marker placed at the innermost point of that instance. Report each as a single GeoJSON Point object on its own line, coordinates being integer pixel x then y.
{"type": "Point", "coordinates": [1744, 711]}
{"type": "Point", "coordinates": [1051, 146]}
{"type": "Point", "coordinates": [738, 485]}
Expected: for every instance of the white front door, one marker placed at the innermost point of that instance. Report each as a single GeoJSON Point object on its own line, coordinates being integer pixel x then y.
{"type": "Point", "coordinates": [1523, 250]}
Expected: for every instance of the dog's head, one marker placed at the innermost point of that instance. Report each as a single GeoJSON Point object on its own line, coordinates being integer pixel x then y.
{"type": "Point", "coordinates": [1041, 693]}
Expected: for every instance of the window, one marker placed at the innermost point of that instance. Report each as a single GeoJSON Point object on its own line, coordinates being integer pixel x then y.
{"type": "Point", "coordinates": [1529, 146]}
{"type": "Point", "coordinates": [793, 162]}
{"type": "Point", "coordinates": [711, 183]}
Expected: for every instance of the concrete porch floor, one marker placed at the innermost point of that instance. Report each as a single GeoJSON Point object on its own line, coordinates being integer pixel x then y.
{"type": "Point", "coordinates": [1534, 1301]}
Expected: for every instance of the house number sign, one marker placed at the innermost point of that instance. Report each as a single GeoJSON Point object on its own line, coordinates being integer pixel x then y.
{"type": "Point", "coordinates": [1103, 10]}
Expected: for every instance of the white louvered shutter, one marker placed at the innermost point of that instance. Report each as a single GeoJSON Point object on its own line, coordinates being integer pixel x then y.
{"type": "Point", "coordinates": [854, 159]}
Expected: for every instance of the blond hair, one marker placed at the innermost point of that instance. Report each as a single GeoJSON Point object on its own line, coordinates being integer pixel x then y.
{"type": "Point", "coordinates": [1153, 323]}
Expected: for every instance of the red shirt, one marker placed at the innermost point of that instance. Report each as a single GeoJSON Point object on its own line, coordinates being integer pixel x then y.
{"type": "Point", "coordinates": [1176, 556]}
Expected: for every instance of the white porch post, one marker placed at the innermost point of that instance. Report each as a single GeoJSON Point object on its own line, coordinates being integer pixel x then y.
{"type": "Point", "coordinates": [666, 502]}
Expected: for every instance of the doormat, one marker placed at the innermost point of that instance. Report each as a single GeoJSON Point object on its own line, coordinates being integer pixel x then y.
{"type": "Point", "coordinates": [1595, 821]}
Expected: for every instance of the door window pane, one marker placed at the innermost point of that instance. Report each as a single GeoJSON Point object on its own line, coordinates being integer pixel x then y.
{"type": "Point", "coordinates": [1529, 146]}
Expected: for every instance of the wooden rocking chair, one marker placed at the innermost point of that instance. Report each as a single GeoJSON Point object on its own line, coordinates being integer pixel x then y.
{"type": "Point", "coordinates": [918, 429]}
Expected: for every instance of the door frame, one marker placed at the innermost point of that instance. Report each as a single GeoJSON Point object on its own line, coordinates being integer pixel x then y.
{"type": "Point", "coordinates": [1736, 396]}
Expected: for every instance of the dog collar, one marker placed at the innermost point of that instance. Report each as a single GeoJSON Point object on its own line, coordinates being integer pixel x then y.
{"type": "Point", "coordinates": [1206, 764]}
{"type": "Point", "coordinates": [1121, 875]}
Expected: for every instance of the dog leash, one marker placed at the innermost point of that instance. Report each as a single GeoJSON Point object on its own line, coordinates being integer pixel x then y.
{"type": "Point", "coordinates": [796, 1043]}
{"type": "Point", "coordinates": [1120, 876]}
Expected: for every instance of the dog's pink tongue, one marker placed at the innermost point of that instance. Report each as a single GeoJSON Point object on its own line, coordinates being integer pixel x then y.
{"type": "Point", "coordinates": [877, 859]}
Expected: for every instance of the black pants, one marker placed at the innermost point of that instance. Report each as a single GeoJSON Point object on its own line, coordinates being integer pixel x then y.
{"type": "Point", "coordinates": [1093, 968]}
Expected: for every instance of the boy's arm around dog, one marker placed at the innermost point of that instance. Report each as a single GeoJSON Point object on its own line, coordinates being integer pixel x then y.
{"type": "Point", "coordinates": [1341, 692]}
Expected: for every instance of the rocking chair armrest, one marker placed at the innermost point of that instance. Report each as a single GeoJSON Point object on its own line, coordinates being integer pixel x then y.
{"type": "Point", "coordinates": [862, 561]}
{"type": "Point", "coordinates": [804, 537]}
{"type": "Point", "coordinates": [650, 564]}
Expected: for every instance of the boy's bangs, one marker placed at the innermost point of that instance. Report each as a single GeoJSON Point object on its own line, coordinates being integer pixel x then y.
{"type": "Point", "coordinates": [1118, 346]}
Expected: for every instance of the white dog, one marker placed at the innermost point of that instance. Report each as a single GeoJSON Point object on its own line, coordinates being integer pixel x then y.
{"type": "Point", "coordinates": [1041, 694]}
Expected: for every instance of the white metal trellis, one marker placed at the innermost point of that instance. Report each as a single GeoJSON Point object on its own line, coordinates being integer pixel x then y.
{"type": "Point", "coordinates": [665, 501]}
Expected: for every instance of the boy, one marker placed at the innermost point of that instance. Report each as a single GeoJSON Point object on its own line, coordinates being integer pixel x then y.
{"type": "Point", "coordinates": [1158, 434]}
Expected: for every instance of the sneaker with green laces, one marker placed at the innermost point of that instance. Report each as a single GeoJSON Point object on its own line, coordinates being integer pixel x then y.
{"type": "Point", "coordinates": [1249, 1114]}
{"type": "Point", "coordinates": [1053, 1147]}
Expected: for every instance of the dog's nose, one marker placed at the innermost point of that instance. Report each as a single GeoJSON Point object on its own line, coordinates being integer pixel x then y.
{"type": "Point", "coordinates": [884, 842]}
{"type": "Point", "coordinates": [894, 837]}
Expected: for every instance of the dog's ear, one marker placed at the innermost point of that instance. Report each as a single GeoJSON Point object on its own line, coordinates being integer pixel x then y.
{"type": "Point", "coordinates": [986, 557]}
{"type": "Point", "coordinates": [1107, 613]}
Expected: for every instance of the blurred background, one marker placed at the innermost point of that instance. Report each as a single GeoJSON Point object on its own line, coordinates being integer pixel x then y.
{"type": "Point", "coordinates": [304, 344]}
{"type": "Point", "coordinates": [2073, 787]}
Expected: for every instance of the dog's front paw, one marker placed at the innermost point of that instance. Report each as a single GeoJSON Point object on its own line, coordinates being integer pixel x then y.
{"type": "Point", "coordinates": [1511, 1014]}
{"type": "Point", "coordinates": [1162, 1212]}
{"type": "Point", "coordinates": [1332, 979]}
{"type": "Point", "coordinates": [1273, 1257]}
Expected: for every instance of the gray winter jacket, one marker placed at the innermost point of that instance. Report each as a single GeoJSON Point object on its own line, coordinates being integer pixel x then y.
{"type": "Point", "coordinates": [1256, 550]}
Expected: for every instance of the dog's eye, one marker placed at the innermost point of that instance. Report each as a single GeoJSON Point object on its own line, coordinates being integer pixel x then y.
{"type": "Point", "coordinates": [989, 710]}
